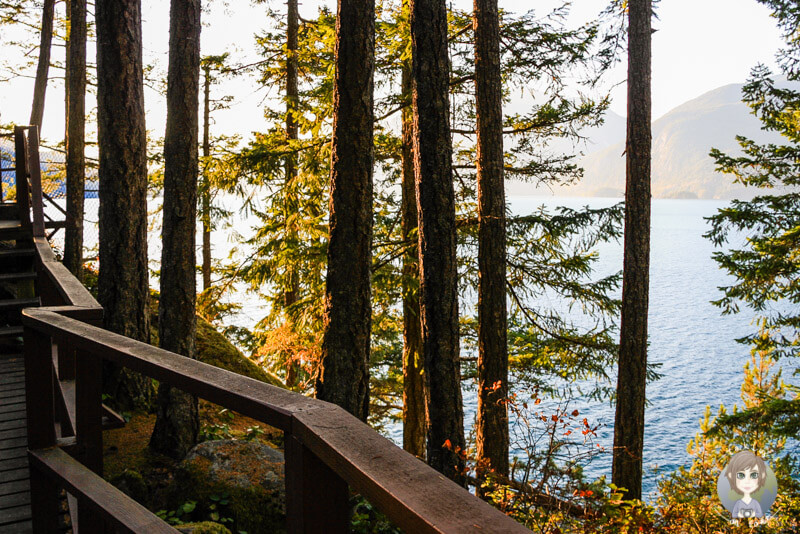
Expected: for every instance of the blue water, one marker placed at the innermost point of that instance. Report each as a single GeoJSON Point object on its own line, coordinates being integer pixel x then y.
{"type": "Point", "coordinates": [701, 362]}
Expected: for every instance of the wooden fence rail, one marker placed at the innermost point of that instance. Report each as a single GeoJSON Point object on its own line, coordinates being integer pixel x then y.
{"type": "Point", "coordinates": [327, 450]}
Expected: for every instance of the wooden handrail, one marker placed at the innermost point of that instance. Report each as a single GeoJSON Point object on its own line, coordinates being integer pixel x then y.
{"type": "Point", "coordinates": [399, 484]}
{"type": "Point", "coordinates": [327, 450]}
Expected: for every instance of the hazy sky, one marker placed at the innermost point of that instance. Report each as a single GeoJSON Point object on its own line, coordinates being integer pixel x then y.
{"type": "Point", "coordinates": [699, 46]}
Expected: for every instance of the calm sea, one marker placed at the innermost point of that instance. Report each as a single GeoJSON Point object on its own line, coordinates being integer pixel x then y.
{"type": "Point", "coordinates": [701, 362]}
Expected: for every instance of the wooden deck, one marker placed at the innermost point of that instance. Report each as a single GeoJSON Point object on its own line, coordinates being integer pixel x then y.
{"type": "Point", "coordinates": [15, 497]}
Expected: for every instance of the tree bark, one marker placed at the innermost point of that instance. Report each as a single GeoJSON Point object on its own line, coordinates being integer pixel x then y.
{"type": "Point", "coordinates": [206, 191]}
{"type": "Point", "coordinates": [492, 423]}
{"type": "Point", "coordinates": [344, 374]}
{"type": "Point", "coordinates": [76, 134]}
{"type": "Point", "coordinates": [177, 420]}
{"type": "Point", "coordinates": [123, 289]}
{"type": "Point", "coordinates": [290, 165]}
{"type": "Point", "coordinates": [414, 423]}
{"type": "Point", "coordinates": [290, 169]}
{"type": "Point", "coordinates": [43, 66]}
{"type": "Point", "coordinates": [629, 419]}
{"type": "Point", "coordinates": [437, 237]}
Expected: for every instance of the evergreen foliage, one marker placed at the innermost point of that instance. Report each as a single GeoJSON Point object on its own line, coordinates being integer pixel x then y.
{"type": "Point", "coordinates": [550, 255]}
{"type": "Point", "coordinates": [766, 264]}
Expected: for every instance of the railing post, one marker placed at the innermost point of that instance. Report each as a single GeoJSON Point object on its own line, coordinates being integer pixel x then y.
{"type": "Point", "coordinates": [21, 177]}
{"type": "Point", "coordinates": [41, 426]}
{"type": "Point", "coordinates": [316, 497]}
{"type": "Point", "coordinates": [35, 171]}
{"type": "Point", "coordinates": [88, 429]}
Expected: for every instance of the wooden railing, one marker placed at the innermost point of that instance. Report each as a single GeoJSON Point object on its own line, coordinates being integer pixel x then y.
{"type": "Point", "coordinates": [327, 451]}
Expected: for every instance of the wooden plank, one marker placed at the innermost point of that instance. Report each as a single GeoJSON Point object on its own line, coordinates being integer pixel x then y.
{"type": "Point", "coordinates": [11, 416]}
{"type": "Point", "coordinates": [13, 463]}
{"type": "Point", "coordinates": [12, 381]}
{"type": "Point", "coordinates": [15, 514]}
{"type": "Point", "coordinates": [35, 173]}
{"type": "Point", "coordinates": [6, 406]}
{"type": "Point", "coordinates": [19, 452]}
{"type": "Point", "coordinates": [16, 253]}
{"type": "Point", "coordinates": [15, 499]}
{"type": "Point", "coordinates": [23, 527]}
{"type": "Point", "coordinates": [11, 385]}
{"type": "Point", "coordinates": [23, 190]}
{"type": "Point", "coordinates": [16, 486]}
{"type": "Point", "coordinates": [13, 277]}
{"type": "Point", "coordinates": [66, 404]}
{"type": "Point", "coordinates": [70, 290]}
{"type": "Point", "coordinates": [14, 423]}
{"type": "Point", "coordinates": [88, 412]}
{"type": "Point", "coordinates": [11, 434]}
{"type": "Point", "coordinates": [14, 400]}
{"type": "Point", "coordinates": [397, 483]}
{"type": "Point", "coordinates": [268, 404]}
{"type": "Point", "coordinates": [14, 395]}
{"type": "Point", "coordinates": [10, 331]}
{"type": "Point", "coordinates": [123, 512]}
{"type": "Point", "coordinates": [17, 304]}
{"type": "Point", "coordinates": [7, 389]}
{"type": "Point", "coordinates": [14, 474]}
{"type": "Point", "coordinates": [316, 497]}
{"type": "Point", "coordinates": [12, 377]}
{"type": "Point", "coordinates": [13, 443]}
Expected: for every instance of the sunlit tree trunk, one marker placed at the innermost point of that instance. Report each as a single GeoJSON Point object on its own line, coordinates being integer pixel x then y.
{"type": "Point", "coordinates": [123, 289]}
{"type": "Point", "coordinates": [414, 424]}
{"type": "Point", "coordinates": [344, 374]}
{"type": "Point", "coordinates": [206, 190]}
{"type": "Point", "coordinates": [629, 419]}
{"type": "Point", "coordinates": [76, 130]}
{"type": "Point", "coordinates": [43, 66]}
{"type": "Point", "coordinates": [437, 237]}
{"type": "Point", "coordinates": [492, 423]}
{"type": "Point", "coordinates": [177, 420]}
{"type": "Point", "coordinates": [290, 167]}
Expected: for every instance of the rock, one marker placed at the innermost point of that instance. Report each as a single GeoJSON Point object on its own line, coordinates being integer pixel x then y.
{"type": "Point", "coordinates": [243, 480]}
{"type": "Point", "coordinates": [131, 483]}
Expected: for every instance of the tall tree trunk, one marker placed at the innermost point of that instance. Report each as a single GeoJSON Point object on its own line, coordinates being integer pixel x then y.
{"type": "Point", "coordinates": [629, 419]}
{"type": "Point", "coordinates": [43, 66]}
{"type": "Point", "coordinates": [122, 283]}
{"type": "Point", "coordinates": [492, 424]}
{"type": "Point", "coordinates": [76, 128]}
{"type": "Point", "coordinates": [206, 190]}
{"type": "Point", "coordinates": [177, 420]}
{"type": "Point", "coordinates": [344, 374]}
{"type": "Point", "coordinates": [290, 167]}
{"type": "Point", "coordinates": [414, 424]}
{"type": "Point", "coordinates": [437, 237]}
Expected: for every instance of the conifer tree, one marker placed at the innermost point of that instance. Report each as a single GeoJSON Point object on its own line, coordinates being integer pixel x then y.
{"type": "Point", "coordinates": [40, 85]}
{"type": "Point", "coordinates": [414, 420]}
{"type": "Point", "coordinates": [76, 131]}
{"type": "Point", "coordinates": [437, 237]}
{"type": "Point", "coordinates": [344, 374]}
{"type": "Point", "coordinates": [766, 266]}
{"type": "Point", "coordinates": [632, 377]}
{"type": "Point", "coordinates": [123, 289]}
{"type": "Point", "coordinates": [177, 419]}
{"type": "Point", "coordinates": [492, 422]}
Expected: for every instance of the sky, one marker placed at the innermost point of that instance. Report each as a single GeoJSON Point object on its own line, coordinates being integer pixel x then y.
{"type": "Point", "coordinates": [699, 45]}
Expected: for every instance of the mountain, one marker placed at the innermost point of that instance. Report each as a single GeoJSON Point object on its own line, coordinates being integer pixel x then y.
{"type": "Point", "coordinates": [682, 139]}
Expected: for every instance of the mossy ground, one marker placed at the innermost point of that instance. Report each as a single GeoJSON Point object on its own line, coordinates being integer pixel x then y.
{"type": "Point", "coordinates": [145, 475]}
